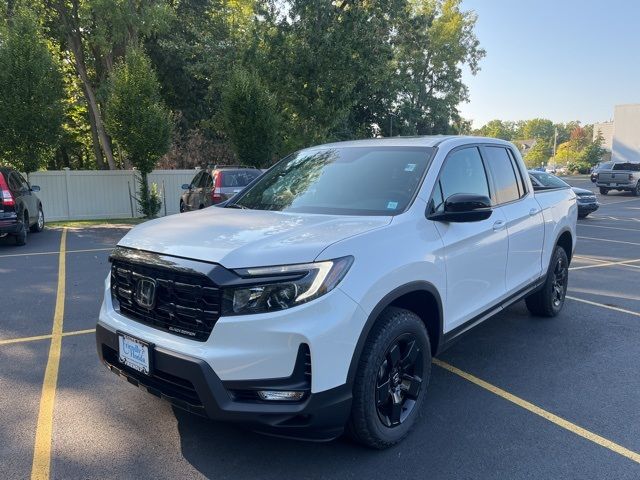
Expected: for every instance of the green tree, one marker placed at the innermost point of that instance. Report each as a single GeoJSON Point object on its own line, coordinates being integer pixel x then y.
{"type": "Point", "coordinates": [250, 119]}
{"type": "Point", "coordinates": [498, 129]}
{"type": "Point", "coordinates": [137, 119]}
{"type": "Point", "coordinates": [31, 109]}
{"type": "Point", "coordinates": [538, 155]}
{"type": "Point", "coordinates": [537, 128]}
{"type": "Point", "coordinates": [434, 40]}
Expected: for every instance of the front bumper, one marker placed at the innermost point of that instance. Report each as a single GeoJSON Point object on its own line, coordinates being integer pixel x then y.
{"type": "Point", "coordinates": [587, 207]}
{"type": "Point", "coordinates": [191, 384]}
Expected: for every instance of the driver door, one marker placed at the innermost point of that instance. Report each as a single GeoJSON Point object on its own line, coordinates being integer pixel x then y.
{"type": "Point", "coordinates": [475, 253]}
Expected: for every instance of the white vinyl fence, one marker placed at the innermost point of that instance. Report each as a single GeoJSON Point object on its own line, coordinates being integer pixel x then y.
{"type": "Point", "coordinates": [90, 194]}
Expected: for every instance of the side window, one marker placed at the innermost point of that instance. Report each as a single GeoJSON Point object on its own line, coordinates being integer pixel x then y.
{"type": "Point", "coordinates": [208, 181]}
{"type": "Point", "coordinates": [463, 172]}
{"type": "Point", "coordinates": [501, 167]}
{"type": "Point", "coordinates": [197, 179]}
{"type": "Point", "coordinates": [14, 182]}
{"type": "Point", "coordinates": [522, 185]}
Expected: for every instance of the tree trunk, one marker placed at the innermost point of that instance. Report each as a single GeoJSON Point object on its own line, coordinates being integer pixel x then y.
{"type": "Point", "coordinates": [76, 47]}
{"type": "Point", "coordinates": [75, 44]}
{"type": "Point", "coordinates": [95, 140]}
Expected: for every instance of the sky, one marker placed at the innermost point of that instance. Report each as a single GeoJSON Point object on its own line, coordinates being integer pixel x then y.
{"type": "Point", "coordinates": [563, 60]}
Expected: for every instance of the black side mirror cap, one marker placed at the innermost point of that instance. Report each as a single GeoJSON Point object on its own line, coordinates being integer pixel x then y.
{"type": "Point", "coordinates": [35, 188]}
{"type": "Point", "coordinates": [464, 207]}
{"type": "Point", "coordinates": [186, 186]}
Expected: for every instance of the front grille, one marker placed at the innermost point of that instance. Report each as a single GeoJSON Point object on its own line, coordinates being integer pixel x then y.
{"type": "Point", "coordinates": [186, 304]}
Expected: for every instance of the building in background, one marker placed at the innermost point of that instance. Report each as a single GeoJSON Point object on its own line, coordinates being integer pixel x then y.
{"type": "Point", "coordinates": [606, 130]}
{"type": "Point", "coordinates": [622, 135]}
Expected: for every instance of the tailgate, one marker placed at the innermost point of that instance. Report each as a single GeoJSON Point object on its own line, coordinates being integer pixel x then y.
{"type": "Point", "coordinates": [609, 176]}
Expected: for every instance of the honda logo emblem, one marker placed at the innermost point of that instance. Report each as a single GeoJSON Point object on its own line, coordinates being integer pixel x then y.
{"type": "Point", "coordinates": [145, 295]}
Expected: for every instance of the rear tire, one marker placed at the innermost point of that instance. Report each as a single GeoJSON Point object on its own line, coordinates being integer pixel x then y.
{"type": "Point", "coordinates": [21, 236]}
{"type": "Point", "coordinates": [636, 191]}
{"type": "Point", "coordinates": [39, 225]}
{"type": "Point", "coordinates": [391, 382]}
{"type": "Point", "coordinates": [182, 209]}
{"type": "Point", "coordinates": [548, 301]}
{"type": "Point", "coordinates": [604, 191]}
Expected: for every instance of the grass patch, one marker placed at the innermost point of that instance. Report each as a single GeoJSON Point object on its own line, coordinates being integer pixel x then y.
{"type": "Point", "coordinates": [106, 222]}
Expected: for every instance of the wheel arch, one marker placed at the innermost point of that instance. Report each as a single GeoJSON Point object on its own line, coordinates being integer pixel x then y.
{"type": "Point", "coordinates": [565, 240]}
{"type": "Point", "coordinates": [419, 297]}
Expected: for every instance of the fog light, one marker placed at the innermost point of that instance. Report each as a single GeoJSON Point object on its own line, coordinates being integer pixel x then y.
{"type": "Point", "coordinates": [279, 396]}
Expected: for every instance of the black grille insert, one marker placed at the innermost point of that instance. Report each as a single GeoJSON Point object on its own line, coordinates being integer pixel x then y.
{"type": "Point", "coordinates": [186, 304]}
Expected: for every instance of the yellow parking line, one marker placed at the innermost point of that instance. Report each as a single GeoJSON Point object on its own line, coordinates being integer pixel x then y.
{"type": "Point", "coordinates": [44, 337]}
{"type": "Point", "coordinates": [608, 240]}
{"type": "Point", "coordinates": [593, 259]}
{"type": "Point", "coordinates": [40, 467]}
{"type": "Point", "coordinates": [607, 264]}
{"type": "Point", "coordinates": [602, 305]}
{"type": "Point", "coordinates": [55, 253]}
{"type": "Point", "coordinates": [561, 422]}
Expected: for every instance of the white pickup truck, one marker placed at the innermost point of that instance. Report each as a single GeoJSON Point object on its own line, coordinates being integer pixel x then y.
{"type": "Point", "coordinates": [314, 300]}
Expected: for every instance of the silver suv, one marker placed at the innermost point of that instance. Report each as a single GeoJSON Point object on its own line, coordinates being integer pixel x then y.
{"type": "Point", "coordinates": [215, 185]}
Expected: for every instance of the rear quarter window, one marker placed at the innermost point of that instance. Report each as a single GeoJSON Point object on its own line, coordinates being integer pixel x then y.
{"type": "Point", "coordinates": [239, 179]}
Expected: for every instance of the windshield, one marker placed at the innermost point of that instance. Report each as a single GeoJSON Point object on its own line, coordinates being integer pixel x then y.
{"type": "Point", "coordinates": [341, 180]}
{"type": "Point", "coordinates": [548, 180]}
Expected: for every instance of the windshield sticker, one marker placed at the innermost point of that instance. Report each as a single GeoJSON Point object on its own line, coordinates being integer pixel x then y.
{"type": "Point", "coordinates": [410, 167]}
{"type": "Point", "coordinates": [392, 205]}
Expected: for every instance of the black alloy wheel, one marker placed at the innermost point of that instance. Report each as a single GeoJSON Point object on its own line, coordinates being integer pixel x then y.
{"type": "Point", "coordinates": [399, 380]}
{"type": "Point", "coordinates": [559, 282]}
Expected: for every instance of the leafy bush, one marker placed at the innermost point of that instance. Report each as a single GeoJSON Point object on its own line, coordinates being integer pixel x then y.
{"type": "Point", "coordinates": [149, 201]}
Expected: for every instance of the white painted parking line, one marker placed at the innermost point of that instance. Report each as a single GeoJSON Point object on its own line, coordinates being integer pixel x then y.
{"type": "Point", "coordinates": [608, 240]}
{"type": "Point", "coordinates": [606, 264]}
{"type": "Point", "coordinates": [602, 305]}
{"type": "Point", "coordinates": [611, 228]}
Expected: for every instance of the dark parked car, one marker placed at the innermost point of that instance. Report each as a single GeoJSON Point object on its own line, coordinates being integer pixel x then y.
{"type": "Point", "coordinates": [597, 168]}
{"type": "Point", "coordinates": [587, 202]}
{"type": "Point", "coordinates": [216, 185]}
{"type": "Point", "coordinates": [20, 208]}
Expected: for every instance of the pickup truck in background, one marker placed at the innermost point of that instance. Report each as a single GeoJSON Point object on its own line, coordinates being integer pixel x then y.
{"type": "Point", "coordinates": [621, 176]}
{"type": "Point", "coordinates": [314, 300]}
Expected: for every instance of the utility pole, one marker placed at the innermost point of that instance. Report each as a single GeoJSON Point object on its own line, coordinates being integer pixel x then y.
{"type": "Point", "coordinates": [555, 141]}
{"type": "Point", "coordinates": [391, 115]}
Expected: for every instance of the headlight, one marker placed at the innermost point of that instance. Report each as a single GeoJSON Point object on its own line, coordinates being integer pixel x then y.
{"type": "Point", "coordinates": [267, 289]}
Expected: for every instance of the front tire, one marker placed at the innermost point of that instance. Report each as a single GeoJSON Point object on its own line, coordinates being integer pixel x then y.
{"type": "Point", "coordinates": [604, 191]}
{"type": "Point", "coordinates": [548, 301]}
{"type": "Point", "coordinates": [391, 381]}
{"type": "Point", "coordinates": [636, 191]}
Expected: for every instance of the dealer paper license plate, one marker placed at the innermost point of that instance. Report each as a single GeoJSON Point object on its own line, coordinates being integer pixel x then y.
{"type": "Point", "coordinates": [134, 353]}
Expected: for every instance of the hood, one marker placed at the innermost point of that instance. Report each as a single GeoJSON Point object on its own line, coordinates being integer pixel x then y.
{"type": "Point", "coordinates": [581, 191]}
{"type": "Point", "coordinates": [247, 238]}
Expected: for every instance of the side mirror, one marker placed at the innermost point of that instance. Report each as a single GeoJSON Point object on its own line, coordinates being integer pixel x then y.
{"type": "Point", "coordinates": [464, 207]}
{"type": "Point", "coordinates": [35, 188]}
{"type": "Point", "coordinates": [186, 186]}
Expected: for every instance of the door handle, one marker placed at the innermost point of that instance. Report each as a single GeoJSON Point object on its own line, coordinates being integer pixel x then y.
{"type": "Point", "coordinates": [534, 211]}
{"type": "Point", "coordinates": [499, 225]}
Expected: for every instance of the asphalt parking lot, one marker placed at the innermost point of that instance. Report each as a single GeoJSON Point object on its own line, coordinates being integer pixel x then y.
{"type": "Point", "coordinates": [517, 397]}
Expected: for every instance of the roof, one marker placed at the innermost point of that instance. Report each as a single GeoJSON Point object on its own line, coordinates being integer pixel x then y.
{"type": "Point", "coordinates": [417, 141]}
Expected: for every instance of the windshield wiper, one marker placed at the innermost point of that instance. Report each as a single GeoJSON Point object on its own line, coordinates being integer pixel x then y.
{"type": "Point", "coordinates": [236, 205]}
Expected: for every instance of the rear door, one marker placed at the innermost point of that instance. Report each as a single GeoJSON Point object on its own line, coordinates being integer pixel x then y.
{"type": "Point", "coordinates": [191, 195]}
{"type": "Point", "coordinates": [475, 252]}
{"type": "Point", "coordinates": [525, 224]}
{"type": "Point", "coordinates": [21, 194]}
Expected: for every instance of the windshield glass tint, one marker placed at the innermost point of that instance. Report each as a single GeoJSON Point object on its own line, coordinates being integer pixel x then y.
{"type": "Point", "coordinates": [347, 180]}
{"type": "Point", "coordinates": [548, 180]}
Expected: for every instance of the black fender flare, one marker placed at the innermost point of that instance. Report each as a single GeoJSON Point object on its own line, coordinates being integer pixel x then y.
{"type": "Point", "coordinates": [388, 299]}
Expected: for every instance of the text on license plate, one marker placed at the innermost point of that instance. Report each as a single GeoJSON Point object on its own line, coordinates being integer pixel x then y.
{"type": "Point", "coordinates": [134, 353]}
